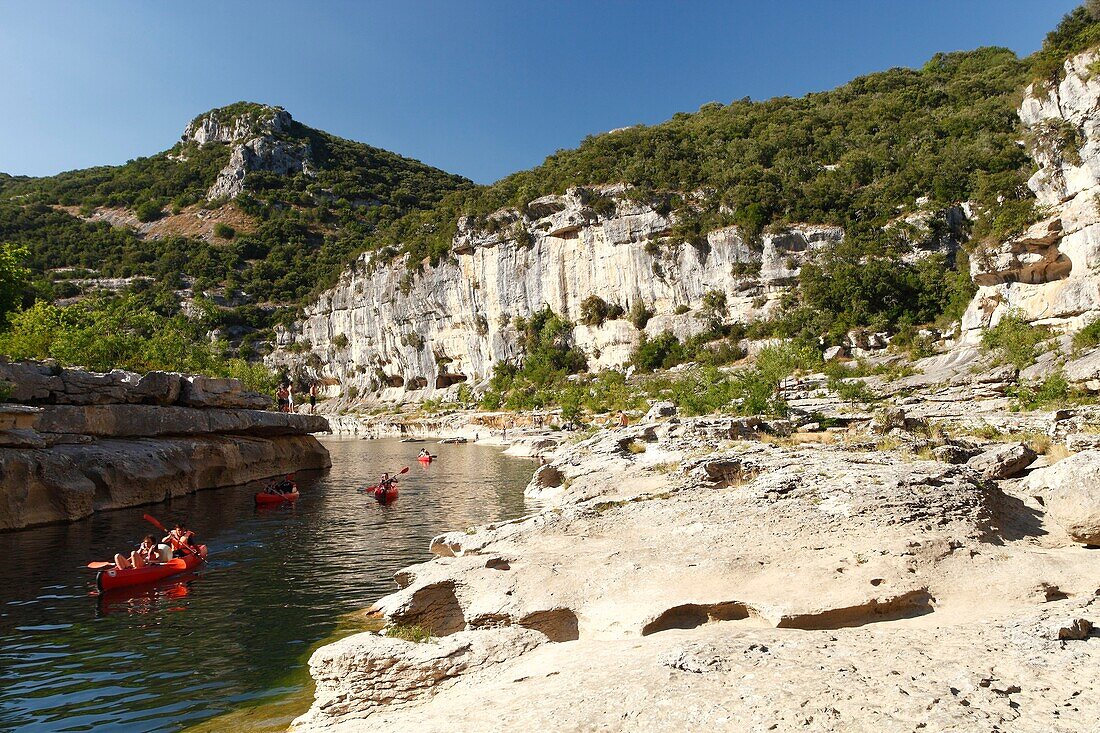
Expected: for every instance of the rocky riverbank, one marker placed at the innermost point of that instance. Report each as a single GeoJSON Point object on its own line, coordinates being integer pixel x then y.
{"type": "Point", "coordinates": [74, 442]}
{"type": "Point", "coordinates": [890, 574]}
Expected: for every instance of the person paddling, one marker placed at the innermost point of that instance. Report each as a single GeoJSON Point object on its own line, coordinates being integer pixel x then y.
{"type": "Point", "coordinates": [385, 484]}
{"type": "Point", "coordinates": [178, 538]}
{"type": "Point", "coordinates": [424, 453]}
{"type": "Point", "coordinates": [286, 486]}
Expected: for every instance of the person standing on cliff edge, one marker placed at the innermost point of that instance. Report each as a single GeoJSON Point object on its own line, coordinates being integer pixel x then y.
{"type": "Point", "coordinates": [313, 398]}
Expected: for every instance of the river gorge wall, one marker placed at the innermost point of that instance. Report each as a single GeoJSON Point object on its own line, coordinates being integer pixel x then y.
{"type": "Point", "coordinates": [392, 332]}
{"type": "Point", "coordinates": [74, 442]}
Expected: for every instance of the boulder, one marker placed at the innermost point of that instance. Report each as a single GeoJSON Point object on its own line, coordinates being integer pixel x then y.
{"type": "Point", "coordinates": [659, 410]}
{"type": "Point", "coordinates": [1077, 442]}
{"type": "Point", "coordinates": [31, 381]}
{"type": "Point", "coordinates": [1070, 490]}
{"type": "Point", "coordinates": [92, 388]}
{"type": "Point", "coordinates": [950, 453]}
{"type": "Point", "coordinates": [365, 672]}
{"type": "Point", "coordinates": [199, 391]}
{"type": "Point", "coordinates": [1003, 461]}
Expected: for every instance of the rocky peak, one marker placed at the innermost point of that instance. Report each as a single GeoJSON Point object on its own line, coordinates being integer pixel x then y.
{"type": "Point", "coordinates": [236, 123]}
{"type": "Point", "coordinates": [259, 135]}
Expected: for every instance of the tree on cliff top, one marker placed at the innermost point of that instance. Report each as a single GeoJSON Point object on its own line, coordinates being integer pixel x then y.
{"type": "Point", "coordinates": [13, 278]}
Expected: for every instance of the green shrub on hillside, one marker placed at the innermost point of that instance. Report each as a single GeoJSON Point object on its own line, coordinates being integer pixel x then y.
{"type": "Point", "coordinates": [224, 231]}
{"type": "Point", "coordinates": [1088, 336]}
{"type": "Point", "coordinates": [660, 352]}
{"type": "Point", "coordinates": [594, 311]}
{"type": "Point", "coordinates": [1054, 391]}
{"type": "Point", "coordinates": [1015, 341]}
{"type": "Point", "coordinates": [639, 315]}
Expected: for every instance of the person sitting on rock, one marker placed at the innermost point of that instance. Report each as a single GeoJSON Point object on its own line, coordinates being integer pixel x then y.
{"type": "Point", "coordinates": [139, 558]}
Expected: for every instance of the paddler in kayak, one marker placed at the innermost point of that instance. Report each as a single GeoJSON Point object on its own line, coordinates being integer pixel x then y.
{"type": "Point", "coordinates": [424, 453]}
{"type": "Point", "coordinates": [286, 486]}
{"type": "Point", "coordinates": [145, 554]}
{"type": "Point", "coordinates": [178, 537]}
{"type": "Point", "coordinates": [385, 483]}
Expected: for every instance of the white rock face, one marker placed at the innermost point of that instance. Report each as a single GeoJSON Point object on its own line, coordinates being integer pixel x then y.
{"type": "Point", "coordinates": [256, 146]}
{"type": "Point", "coordinates": [217, 126]}
{"type": "Point", "coordinates": [392, 335]}
{"type": "Point", "coordinates": [1047, 274]}
{"type": "Point", "coordinates": [1071, 489]}
{"type": "Point", "coordinates": [367, 671]}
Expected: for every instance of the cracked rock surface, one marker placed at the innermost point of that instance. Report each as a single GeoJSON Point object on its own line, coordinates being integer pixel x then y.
{"type": "Point", "coordinates": [718, 580]}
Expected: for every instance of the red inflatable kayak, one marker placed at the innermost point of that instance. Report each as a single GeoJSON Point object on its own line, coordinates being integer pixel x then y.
{"type": "Point", "coordinates": [381, 495]}
{"type": "Point", "coordinates": [113, 578]}
{"type": "Point", "coordinates": [265, 498]}
{"type": "Point", "coordinates": [424, 459]}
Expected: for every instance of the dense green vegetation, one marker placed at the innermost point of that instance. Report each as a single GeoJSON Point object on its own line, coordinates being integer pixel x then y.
{"type": "Point", "coordinates": [552, 374]}
{"type": "Point", "coordinates": [122, 334]}
{"type": "Point", "coordinates": [13, 279]}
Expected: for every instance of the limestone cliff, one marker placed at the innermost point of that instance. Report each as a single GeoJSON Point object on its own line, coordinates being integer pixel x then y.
{"type": "Point", "coordinates": [1048, 273]}
{"type": "Point", "coordinates": [77, 442]}
{"type": "Point", "coordinates": [395, 333]}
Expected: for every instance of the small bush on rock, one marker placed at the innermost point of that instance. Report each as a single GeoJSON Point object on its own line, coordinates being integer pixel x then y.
{"type": "Point", "coordinates": [1015, 341]}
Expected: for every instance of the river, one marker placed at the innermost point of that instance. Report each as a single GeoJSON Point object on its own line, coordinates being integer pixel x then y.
{"type": "Point", "coordinates": [238, 631]}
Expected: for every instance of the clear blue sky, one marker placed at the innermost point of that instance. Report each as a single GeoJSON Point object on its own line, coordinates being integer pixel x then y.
{"type": "Point", "coordinates": [477, 88]}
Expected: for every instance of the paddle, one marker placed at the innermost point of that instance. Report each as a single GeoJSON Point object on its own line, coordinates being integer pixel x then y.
{"type": "Point", "coordinates": [372, 488]}
{"type": "Point", "coordinates": [153, 521]}
{"type": "Point", "coordinates": [100, 565]}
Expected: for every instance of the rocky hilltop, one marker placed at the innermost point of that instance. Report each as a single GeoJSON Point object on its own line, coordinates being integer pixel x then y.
{"type": "Point", "coordinates": [74, 442]}
{"type": "Point", "coordinates": [259, 138]}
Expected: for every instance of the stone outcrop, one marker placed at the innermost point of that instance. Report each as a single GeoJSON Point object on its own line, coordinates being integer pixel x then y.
{"type": "Point", "coordinates": [745, 583]}
{"type": "Point", "coordinates": [1071, 492]}
{"type": "Point", "coordinates": [1003, 461]}
{"type": "Point", "coordinates": [1047, 273]}
{"type": "Point", "coordinates": [258, 136]}
{"type": "Point", "coordinates": [81, 442]}
{"type": "Point", "coordinates": [369, 671]}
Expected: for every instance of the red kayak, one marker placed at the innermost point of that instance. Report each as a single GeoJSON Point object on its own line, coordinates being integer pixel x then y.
{"type": "Point", "coordinates": [387, 495]}
{"type": "Point", "coordinates": [424, 459]}
{"type": "Point", "coordinates": [265, 498]}
{"type": "Point", "coordinates": [113, 578]}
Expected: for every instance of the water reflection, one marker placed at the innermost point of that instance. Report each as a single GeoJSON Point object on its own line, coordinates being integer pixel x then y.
{"type": "Point", "coordinates": [197, 645]}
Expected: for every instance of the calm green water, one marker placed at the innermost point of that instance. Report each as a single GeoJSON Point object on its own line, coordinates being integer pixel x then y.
{"type": "Point", "coordinates": [164, 658]}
